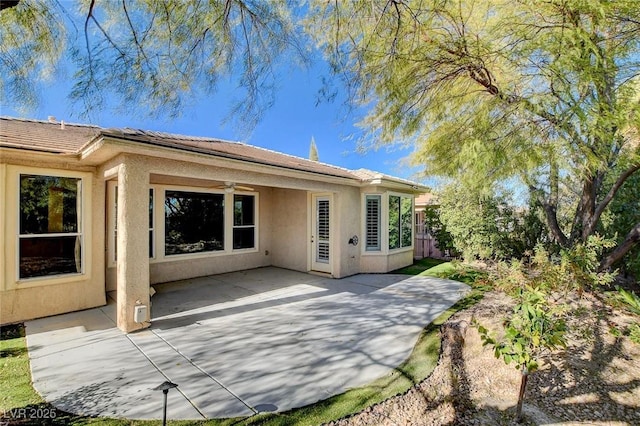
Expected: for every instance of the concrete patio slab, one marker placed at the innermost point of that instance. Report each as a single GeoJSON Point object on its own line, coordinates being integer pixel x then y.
{"type": "Point", "coordinates": [235, 343]}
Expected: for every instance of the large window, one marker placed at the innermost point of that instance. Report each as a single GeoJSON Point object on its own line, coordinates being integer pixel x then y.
{"type": "Point", "coordinates": [194, 222]}
{"type": "Point", "coordinates": [50, 237]}
{"type": "Point", "coordinates": [400, 222]}
{"type": "Point", "coordinates": [372, 219]}
{"type": "Point", "coordinates": [244, 225]}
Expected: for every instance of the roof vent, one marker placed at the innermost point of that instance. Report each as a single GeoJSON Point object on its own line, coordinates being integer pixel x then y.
{"type": "Point", "coordinates": [52, 119]}
{"type": "Point", "coordinates": [62, 124]}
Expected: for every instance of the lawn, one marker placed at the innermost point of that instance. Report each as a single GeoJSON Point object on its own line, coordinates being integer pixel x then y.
{"type": "Point", "coordinates": [19, 401]}
{"type": "Point", "coordinates": [428, 266]}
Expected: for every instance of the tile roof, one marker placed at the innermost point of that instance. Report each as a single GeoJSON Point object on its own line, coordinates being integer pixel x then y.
{"type": "Point", "coordinates": [68, 138]}
{"type": "Point", "coordinates": [366, 175]}
{"type": "Point", "coordinates": [228, 149]}
{"type": "Point", "coordinates": [45, 136]}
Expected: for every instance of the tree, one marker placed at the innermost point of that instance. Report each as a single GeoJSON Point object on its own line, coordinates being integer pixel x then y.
{"type": "Point", "coordinates": [545, 92]}
{"type": "Point", "coordinates": [434, 226]}
{"type": "Point", "coordinates": [622, 213]}
{"type": "Point", "coordinates": [485, 224]}
{"type": "Point", "coordinates": [542, 91]}
{"type": "Point", "coordinates": [313, 150]}
{"type": "Point", "coordinates": [159, 53]}
{"type": "Point", "coordinates": [533, 328]}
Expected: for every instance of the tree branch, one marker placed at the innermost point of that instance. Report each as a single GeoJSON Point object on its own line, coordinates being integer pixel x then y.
{"type": "Point", "coordinates": [609, 197]}
{"type": "Point", "coordinates": [632, 238]}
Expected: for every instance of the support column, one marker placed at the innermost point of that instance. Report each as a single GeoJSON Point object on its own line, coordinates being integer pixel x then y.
{"type": "Point", "coordinates": [133, 244]}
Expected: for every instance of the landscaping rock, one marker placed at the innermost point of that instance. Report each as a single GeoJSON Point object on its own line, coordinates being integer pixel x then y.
{"type": "Point", "coordinates": [595, 381]}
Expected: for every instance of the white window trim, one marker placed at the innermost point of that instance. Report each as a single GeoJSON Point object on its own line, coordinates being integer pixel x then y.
{"type": "Point", "coordinates": [159, 224]}
{"type": "Point", "coordinates": [413, 230]}
{"type": "Point", "coordinates": [153, 225]}
{"type": "Point", "coordinates": [384, 224]}
{"type": "Point", "coordinates": [256, 220]}
{"type": "Point", "coordinates": [13, 232]}
{"type": "Point", "coordinates": [111, 223]}
{"type": "Point", "coordinates": [380, 247]}
{"type": "Point", "coordinates": [161, 256]}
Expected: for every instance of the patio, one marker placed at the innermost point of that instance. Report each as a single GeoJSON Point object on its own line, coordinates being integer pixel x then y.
{"type": "Point", "coordinates": [266, 339]}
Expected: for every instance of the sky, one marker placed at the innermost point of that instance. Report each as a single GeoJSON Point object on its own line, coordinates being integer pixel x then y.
{"type": "Point", "coordinates": [287, 126]}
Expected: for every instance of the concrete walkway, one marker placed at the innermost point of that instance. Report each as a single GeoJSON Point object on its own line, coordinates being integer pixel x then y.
{"type": "Point", "coordinates": [261, 340]}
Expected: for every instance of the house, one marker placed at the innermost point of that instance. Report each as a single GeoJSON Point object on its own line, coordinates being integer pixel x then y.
{"type": "Point", "coordinates": [89, 210]}
{"type": "Point", "coordinates": [425, 244]}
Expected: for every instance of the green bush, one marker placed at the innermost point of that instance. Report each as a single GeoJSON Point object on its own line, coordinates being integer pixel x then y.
{"type": "Point", "coordinates": [534, 327]}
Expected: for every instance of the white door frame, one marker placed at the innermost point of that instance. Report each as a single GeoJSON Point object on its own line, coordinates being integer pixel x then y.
{"type": "Point", "coordinates": [321, 226]}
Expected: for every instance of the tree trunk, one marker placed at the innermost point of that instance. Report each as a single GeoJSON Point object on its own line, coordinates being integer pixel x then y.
{"type": "Point", "coordinates": [523, 387]}
{"type": "Point", "coordinates": [632, 238]}
{"type": "Point", "coordinates": [551, 205]}
{"type": "Point", "coordinates": [551, 218]}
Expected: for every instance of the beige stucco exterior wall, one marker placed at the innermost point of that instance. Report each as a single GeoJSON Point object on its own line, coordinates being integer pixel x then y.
{"type": "Point", "coordinates": [21, 300]}
{"type": "Point", "coordinates": [133, 250]}
{"type": "Point", "coordinates": [284, 217]}
{"type": "Point", "coordinates": [382, 263]}
{"type": "Point", "coordinates": [400, 259]}
{"type": "Point", "coordinates": [374, 263]}
{"type": "Point", "coordinates": [347, 223]}
{"type": "Point", "coordinates": [289, 229]}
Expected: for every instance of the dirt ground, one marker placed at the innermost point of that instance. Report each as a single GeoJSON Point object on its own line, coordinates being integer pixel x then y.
{"type": "Point", "coordinates": [595, 381]}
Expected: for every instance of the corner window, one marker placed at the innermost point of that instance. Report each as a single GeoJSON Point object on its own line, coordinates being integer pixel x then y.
{"type": "Point", "coordinates": [372, 223]}
{"type": "Point", "coordinates": [50, 235]}
{"type": "Point", "coordinates": [244, 225]}
{"type": "Point", "coordinates": [406, 223]}
{"type": "Point", "coordinates": [194, 222]}
{"type": "Point", "coordinates": [400, 222]}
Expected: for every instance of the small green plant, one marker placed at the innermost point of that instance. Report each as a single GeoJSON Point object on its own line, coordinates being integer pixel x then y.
{"type": "Point", "coordinates": [534, 327]}
{"type": "Point", "coordinates": [615, 331]}
{"type": "Point", "coordinates": [630, 300]}
{"type": "Point", "coordinates": [634, 333]}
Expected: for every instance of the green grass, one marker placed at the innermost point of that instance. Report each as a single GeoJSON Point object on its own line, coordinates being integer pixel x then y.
{"type": "Point", "coordinates": [15, 377]}
{"type": "Point", "coordinates": [16, 391]}
{"type": "Point", "coordinates": [427, 266]}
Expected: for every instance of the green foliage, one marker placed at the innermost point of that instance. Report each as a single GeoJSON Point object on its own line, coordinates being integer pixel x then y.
{"type": "Point", "coordinates": [630, 300]}
{"type": "Point", "coordinates": [621, 215]}
{"type": "Point", "coordinates": [634, 333]}
{"type": "Point", "coordinates": [313, 150]}
{"type": "Point", "coordinates": [437, 229]}
{"type": "Point", "coordinates": [33, 42]}
{"type": "Point", "coordinates": [159, 53]}
{"type": "Point", "coordinates": [582, 261]}
{"type": "Point", "coordinates": [400, 222]}
{"type": "Point", "coordinates": [573, 270]}
{"type": "Point", "coordinates": [533, 328]}
{"type": "Point", "coordinates": [541, 94]}
{"type": "Point", "coordinates": [485, 226]}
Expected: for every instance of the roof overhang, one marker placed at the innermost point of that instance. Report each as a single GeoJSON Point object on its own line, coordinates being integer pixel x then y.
{"type": "Point", "coordinates": [105, 147]}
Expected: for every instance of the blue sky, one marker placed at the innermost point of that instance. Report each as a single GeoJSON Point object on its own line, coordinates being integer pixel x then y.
{"type": "Point", "coordinates": [286, 127]}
